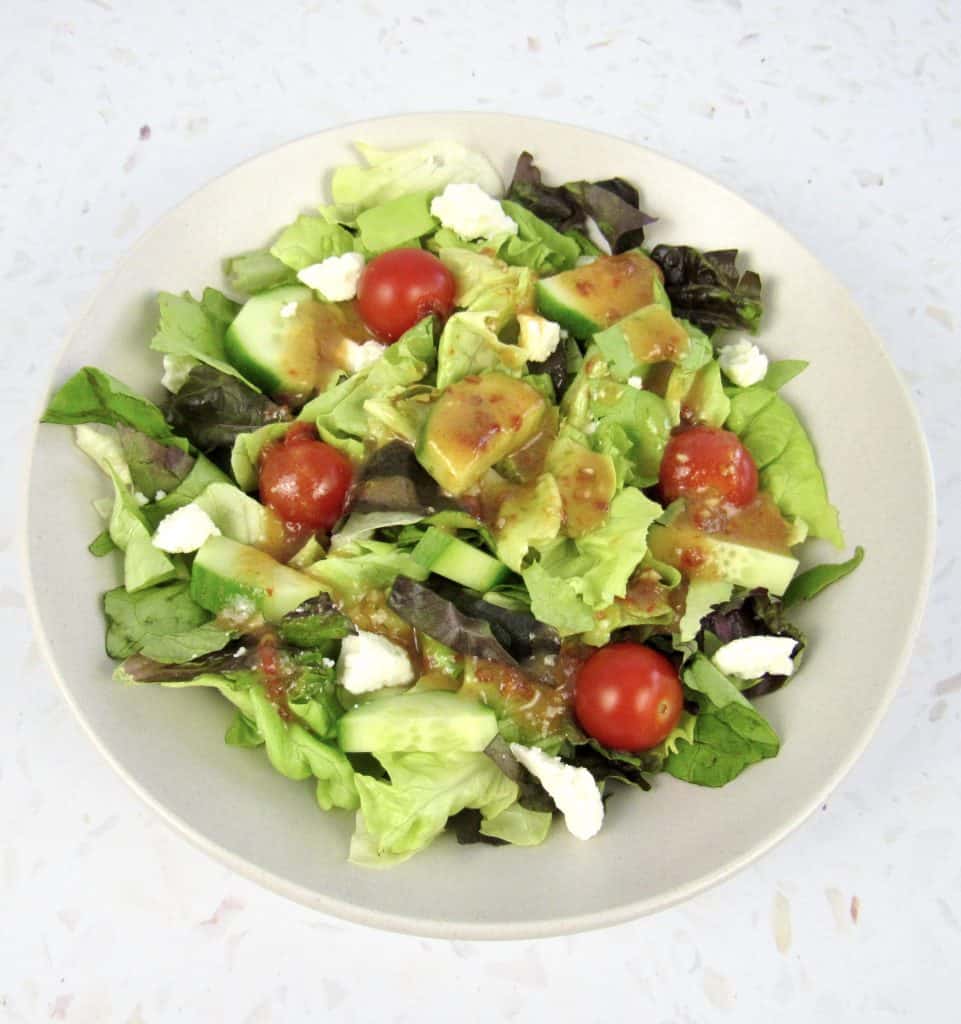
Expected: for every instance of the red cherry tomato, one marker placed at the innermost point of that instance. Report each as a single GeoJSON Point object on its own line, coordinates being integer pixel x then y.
{"type": "Point", "coordinates": [705, 459]}
{"type": "Point", "coordinates": [401, 287]}
{"type": "Point", "coordinates": [628, 696]}
{"type": "Point", "coordinates": [305, 481]}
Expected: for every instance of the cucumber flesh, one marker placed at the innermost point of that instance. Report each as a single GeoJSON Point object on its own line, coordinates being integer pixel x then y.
{"type": "Point", "coordinates": [227, 575]}
{"type": "Point", "coordinates": [432, 721]}
{"type": "Point", "coordinates": [455, 559]}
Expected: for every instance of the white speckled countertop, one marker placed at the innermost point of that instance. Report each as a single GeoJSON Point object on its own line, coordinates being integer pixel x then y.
{"type": "Point", "coordinates": [842, 121]}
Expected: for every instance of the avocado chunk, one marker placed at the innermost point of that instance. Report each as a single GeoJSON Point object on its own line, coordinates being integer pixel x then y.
{"type": "Point", "coordinates": [290, 344]}
{"type": "Point", "coordinates": [648, 335]}
{"type": "Point", "coordinates": [227, 575]}
{"type": "Point", "coordinates": [703, 556]}
{"type": "Point", "coordinates": [474, 424]}
{"type": "Point", "coordinates": [586, 481]}
{"type": "Point", "coordinates": [589, 299]}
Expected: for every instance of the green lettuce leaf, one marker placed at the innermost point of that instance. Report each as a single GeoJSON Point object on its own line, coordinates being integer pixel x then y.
{"type": "Point", "coordinates": [702, 596]}
{"type": "Point", "coordinates": [398, 221]}
{"type": "Point", "coordinates": [163, 623]}
{"type": "Point", "coordinates": [143, 564]}
{"type": "Point", "coordinates": [517, 825]}
{"type": "Point", "coordinates": [196, 329]}
{"type": "Point", "coordinates": [537, 245]}
{"type": "Point", "coordinates": [92, 396]}
{"type": "Point", "coordinates": [354, 569]}
{"type": "Point", "coordinates": [153, 466]}
{"type": "Point", "coordinates": [786, 460]}
{"type": "Point", "coordinates": [782, 372]}
{"type": "Point", "coordinates": [488, 285]}
{"type": "Point", "coordinates": [576, 579]}
{"type": "Point", "coordinates": [292, 750]}
{"type": "Point", "coordinates": [729, 733]}
{"type": "Point", "coordinates": [246, 451]}
{"type": "Point", "coordinates": [429, 167]}
{"type": "Point", "coordinates": [203, 473]}
{"type": "Point", "coordinates": [253, 272]}
{"type": "Point", "coordinates": [697, 396]}
{"type": "Point", "coordinates": [408, 813]}
{"type": "Point", "coordinates": [310, 240]}
{"type": "Point", "coordinates": [468, 346]}
{"type": "Point", "coordinates": [810, 583]}
{"type": "Point", "coordinates": [339, 413]}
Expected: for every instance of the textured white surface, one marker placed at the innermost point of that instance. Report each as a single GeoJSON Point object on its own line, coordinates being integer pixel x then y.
{"type": "Point", "coordinates": [842, 122]}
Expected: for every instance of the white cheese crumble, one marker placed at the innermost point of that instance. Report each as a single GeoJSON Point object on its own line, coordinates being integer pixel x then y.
{"type": "Point", "coordinates": [470, 212]}
{"type": "Point", "coordinates": [743, 363]}
{"type": "Point", "coordinates": [754, 656]}
{"type": "Point", "coordinates": [573, 789]}
{"type": "Point", "coordinates": [289, 309]}
{"type": "Point", "coordinates": [140, 498]}
{"type": "Point", "coordinates": [369, 661]}
{"type": "Point", "coordinates": [184, 530]}
{"type": "Point", "coordinates": [636, 382]}
{"type": "Point", "coordinates": [176, 371]}
{"type": "Point", "coordinates": [359, 357]}
{"type": "Point", "coordinates": [335, 277]}
{"type": "Point", "coordinates": [538, 336]}
{"type": "Point", "coordinates": [160, 495]}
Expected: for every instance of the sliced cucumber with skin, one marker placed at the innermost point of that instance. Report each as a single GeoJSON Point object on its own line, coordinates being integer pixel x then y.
{"type": "Point", "coordinates": [703, 556]}
{"type": "Point", "coordinates": [459, 561]}
{"type": "Point", "coordinates": [227, 575]}
{"type": "Point", "coordinates": [434, 722]}
{"type": "Point", "coordinates": [590, 298]}
{"type": "Point", "coordinates": [276, 352]}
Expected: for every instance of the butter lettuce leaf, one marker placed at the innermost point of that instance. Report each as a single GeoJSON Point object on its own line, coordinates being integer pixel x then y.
{"type": "Point", "coordinates": [468, 346]}
{"type": "Point", "coordinates": [253, 272]}
{"type": "Point", "coordinates": [408, 813]}
{"type": "Point", "coordinates": [310, 240]}
{"type": "Point", "coordinates": [785, 457]}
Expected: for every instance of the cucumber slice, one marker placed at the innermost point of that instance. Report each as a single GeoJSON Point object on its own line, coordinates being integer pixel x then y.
{"type": "Point", "coordinates": [434, 722]}
{"type": "Point", "coordinates": [588, 299]}
{"type": "Point", "coordinates": [449, 556]}
{"type": "Point", "coordinates": [228, 575]}
{"type": "Point", "coordinates": [702, 556]}
{"type": "Point", "coordinates": [274, 351]}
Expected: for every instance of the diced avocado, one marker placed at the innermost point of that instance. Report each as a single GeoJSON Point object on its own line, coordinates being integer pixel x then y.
{"type": "Point", "coordinates": [527, 711]}
{"type": "Point", "coordinates": [289, 343]}
{"type": "Point", "coordinates": [590, 298]}
{"type": "Point", "coordinates": [586, 480]}
{"type": "Point", "coordinates": [648, 335]}
{"type": "Point", "coordinates": [435, 722]}
{"type": "Point", "coordinates": [227, 574]}
{"type": "Point", "coordinates": [448, 556]}
{"type": "Point", "coordinates": [701, 555]}
{"type": "Point", "coordinates": [475, 423]}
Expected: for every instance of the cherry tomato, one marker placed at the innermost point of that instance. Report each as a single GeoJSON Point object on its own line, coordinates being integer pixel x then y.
{"type": "Point", "coordinates": [628, 696]}
{"type": "Point", "coordinates": [401, 287]}
{"type": "Point", "coordinates": [305, 481]}
{"type": "Point", "coordinates": [704, 459]}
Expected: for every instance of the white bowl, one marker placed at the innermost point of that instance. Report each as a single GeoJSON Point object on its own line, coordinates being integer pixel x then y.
{"type": "Point", "coordinates": [656, 848]}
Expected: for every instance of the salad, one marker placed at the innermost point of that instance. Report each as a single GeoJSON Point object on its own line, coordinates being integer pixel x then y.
{"type": "Point", "coordinates": [471, 507]}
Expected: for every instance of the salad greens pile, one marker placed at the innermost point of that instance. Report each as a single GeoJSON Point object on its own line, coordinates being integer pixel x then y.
{"type": "Point", "coordinates": [506, 516]}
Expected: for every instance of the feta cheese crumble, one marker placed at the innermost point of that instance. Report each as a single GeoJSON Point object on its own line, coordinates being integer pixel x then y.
{"type": "Point", "coordinates": [470, 212]}
{"type": "Point", "coordinates": [754, 656]}
{"type": "Point", "coordinates": [359, 357]}
{"type": "Point", "coordinates": [289, 309]}
{"type": "Point", "coordinates": [635, 382]}
{"type": "Point", "coordinates": [573, 789]}
{"type": "Point", "coordinates": [538, 336]}
{"type": "Point", "coordinates": [184, 530]}
{"type": "Point", "coordinates": [335, 277]}
{"type": "Point", "coordinates": [743, 363]}
{"type": "Point", "coordinates": [369, 661]}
